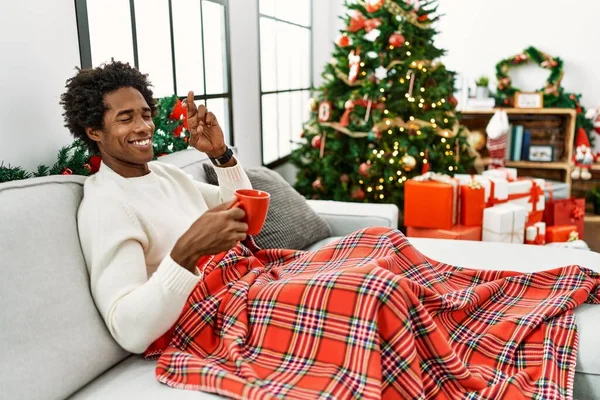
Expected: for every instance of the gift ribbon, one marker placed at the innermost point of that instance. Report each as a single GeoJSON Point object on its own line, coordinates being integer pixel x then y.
{"type": "Point", "coordinates": [512, 235]}
{"type": "Point", "coordinates": [492, 201]}
{"type": "Point", "coordinates": [577, 214]}
{"type": "Point", "coordinates": [534, 195]}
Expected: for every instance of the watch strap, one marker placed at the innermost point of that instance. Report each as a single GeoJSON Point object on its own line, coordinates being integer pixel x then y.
{"type": "Point", "coordinates": [223, 159]}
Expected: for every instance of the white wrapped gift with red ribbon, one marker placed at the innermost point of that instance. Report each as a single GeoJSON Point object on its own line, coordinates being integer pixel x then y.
{"type": "Point", "coordinates": [529, 192]}
{"type": "Point", "coordinates": [536, 234]}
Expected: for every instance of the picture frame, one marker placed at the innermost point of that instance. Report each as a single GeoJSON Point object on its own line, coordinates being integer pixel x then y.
{"type": "Point", "coordinates": [529, 100]}
{"type": "Point", "coordinates": [539, 153]}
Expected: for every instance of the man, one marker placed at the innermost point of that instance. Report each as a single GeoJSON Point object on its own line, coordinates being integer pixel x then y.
{"type": "Point", "coordinates": [143, 224]}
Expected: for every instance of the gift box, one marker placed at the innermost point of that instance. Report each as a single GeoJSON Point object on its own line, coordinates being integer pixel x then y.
{"type": "Point", "coordinates": [561, 233]}
{"type": "Point", "coordinates": [472, 204]}
{"type": "Point", "coordinates": [508, 174]}
{"type": "Point", "coordinates": [430, 201]}
{"type": "Point", "coordinates": [554, 190]}
{"type": "Point", "coordinates": [504, 223]}
{"type": "Point", "coordinates": [566, 212]}
{"type": "Point", "coordinates": [528, 192]}
{"type": "Point", "coordinates": [457, 232]}
{"type": "Point", "coordinates": [536, 234]}
{"type": "Point", "coordinates": [496, 190]}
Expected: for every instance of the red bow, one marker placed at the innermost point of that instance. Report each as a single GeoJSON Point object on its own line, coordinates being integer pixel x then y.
{"type": "Point", "coordinates": [577, 214]}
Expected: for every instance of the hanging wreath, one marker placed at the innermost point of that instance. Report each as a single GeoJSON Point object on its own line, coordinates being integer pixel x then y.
{"type": "Point", "coordinates": [554, 94]}
{"type": "Point", "coordinates": [506, 91]}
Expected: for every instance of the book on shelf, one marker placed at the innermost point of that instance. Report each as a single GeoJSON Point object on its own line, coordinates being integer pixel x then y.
{"type": "Point", "coordinates": [526, 145]}
{"type": "Point", "coordinates": [517, 143]}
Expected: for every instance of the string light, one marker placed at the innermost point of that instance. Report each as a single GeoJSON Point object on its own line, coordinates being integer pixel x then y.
{"type": "Point", "coordinates": [386, 112]}
{"type": "Point", "coordinates": [424, 69]}
{"type": "Point", "coordinates": [420, 105]}
{"type": "Point", "coordinates": [414, 64]}
{"type": "Point", "coordinates": [418, 132]}
{"type": "Point", "coordinates": [403, 179]}
{"type": "Point", "coordinates": [443, 140]}
{"type": "Point", "coordinates": [412, 118]}
{"type": "Point", "coordinates": [401, 80]}
{"type": "Point", "coordinates": [425, 161]}
{"type": "Point", "coordinates": [439, 103]}
{"type": "Point", "coordinates": [369, 189]}
{"type": "Point", "coordinates": [432, 105]}
{"type": "Point", "coordinates": [434, 125]}
{"type": "Point", "coordinates": [374, 151]}
{"type": "Point", "coordinates": [396, 144]}
{"type": "Point", "coordinates": [382, 90]}
{"type": "Point", "coordinates": [361, 181]}
{"type": "Point", "coordinates": [400, 181]}
{"type": "Point", "coordinates": [401, 129]}
{"type": "Point", "coordinates": [363, 73]}
{"type": "Point", "coordinates": [391, 47]}
{"type": "Point", "coordinates": [422, 89]}
{"type": "Point", "coordinates": [390, 132]}
{"type": "Point", "coordinates": [398, 172]}
{"type": "Point", "coordinates": [422, 154]}
{"type": "Point", "coordinates": [387, 122]}
{"type": "Point", "coordinates": [450, 168]}
{"type": "Point", "coordinates": [432, 121]}
{"type": "Point", "coordinates": [446, 120]}
{"type": "Point", "coordinates": [391, 178]}
{"type": "Point", "coordinates": [380, 180]}
{"type": "Point", "coordinates": [378, 155]}
{"type": "Point", "coordinates": [422, 100]}
{"type": "Point", "coordinates": [408, 53]}
{"type": "Point", "coordinates": [383, 98]}
{"type": "Point", "coordinates": [395, 153]}
{"type": "Point", "coordinates": [443, 100]}
{"type": "Point", "coordinates": [391, 160]}
{"type": "Point", "coordinates": [362, 64]}
{"type": "Point", "coordinates": [407, 43]}
{"type": "Point", "coordinates": [447, 146]}
{"type": "Point", "coordinates": [407, 96]}
{"type": "Point", "coordinates": [381, 196]}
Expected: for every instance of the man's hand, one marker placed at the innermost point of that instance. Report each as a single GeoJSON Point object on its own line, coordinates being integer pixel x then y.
{"type": "Point", "coordinates": [205, 133]}
{"type": "Point", "coordinates": [217, 230]}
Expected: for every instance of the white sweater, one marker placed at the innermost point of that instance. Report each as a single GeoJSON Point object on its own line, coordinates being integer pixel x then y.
{"type": "Point", "coordinates": [127, 229]}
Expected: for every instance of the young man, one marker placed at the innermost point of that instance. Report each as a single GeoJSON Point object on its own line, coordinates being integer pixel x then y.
{"type": "Point", "coordinates": [143, 224]}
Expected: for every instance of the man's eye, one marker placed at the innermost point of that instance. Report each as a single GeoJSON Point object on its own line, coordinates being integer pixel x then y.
{"type": "Point", "coordinates": [147, 116]}
{"type": "Point", "coordinates": [125, 119]}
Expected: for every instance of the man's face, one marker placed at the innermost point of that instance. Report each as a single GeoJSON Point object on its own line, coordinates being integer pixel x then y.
{"type": "Point", "coordinates": [126, 140]}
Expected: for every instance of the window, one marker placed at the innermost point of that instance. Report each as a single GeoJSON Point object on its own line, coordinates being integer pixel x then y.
{"type": "Point", "coordinates": [167, 39]}
{"type": "Point", "coordinates": [285, 74]}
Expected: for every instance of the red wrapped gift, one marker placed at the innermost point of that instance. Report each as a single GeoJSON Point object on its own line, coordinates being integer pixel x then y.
{"type": "Point", "coordinates": [565, 212]}
{"type": "Point", "coordinates": [458, 232]}
{"type": "Point", "coordinates": [472, 204]}
{"type": "Point", "coordinates": [561, 233]}
{"type": "Point", "coordinates": [430, 201]}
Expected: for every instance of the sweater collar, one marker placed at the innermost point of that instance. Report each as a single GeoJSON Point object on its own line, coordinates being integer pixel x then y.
{"type": "Point", "coordinates": [106, 170]}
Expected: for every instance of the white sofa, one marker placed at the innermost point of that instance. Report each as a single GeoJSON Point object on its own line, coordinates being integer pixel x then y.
{"type": "Point", "coordinates": [53, 342]}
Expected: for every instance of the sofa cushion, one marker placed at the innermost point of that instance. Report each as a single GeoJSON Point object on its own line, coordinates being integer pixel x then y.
{"type": "Point", "coordinates": [53, 340]}
{"type": "Point", "coordinates": [291, 223]}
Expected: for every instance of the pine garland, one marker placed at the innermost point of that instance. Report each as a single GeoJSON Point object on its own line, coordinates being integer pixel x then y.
{"type": "Point", "coordinates": [75, 159]}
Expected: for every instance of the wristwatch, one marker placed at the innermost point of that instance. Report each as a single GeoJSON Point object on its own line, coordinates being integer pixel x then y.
{"type": "Point", "coordinates": [223, 159]}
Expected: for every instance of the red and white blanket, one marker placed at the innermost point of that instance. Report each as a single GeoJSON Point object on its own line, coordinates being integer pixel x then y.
{"type": "Point", "coordinates": [370, 317]}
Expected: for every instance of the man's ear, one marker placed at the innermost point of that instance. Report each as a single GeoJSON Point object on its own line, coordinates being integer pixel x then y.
{"type": "Point", "coordinates": [93, 134]}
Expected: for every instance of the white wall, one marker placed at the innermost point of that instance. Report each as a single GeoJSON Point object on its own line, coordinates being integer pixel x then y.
{"type": "Point", "coordinates": [40, 50]}
{"type": "Point", "coordinates": [478, 34]}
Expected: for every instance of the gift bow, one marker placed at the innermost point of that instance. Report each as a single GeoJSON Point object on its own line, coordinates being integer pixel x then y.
{"type": "Point", "coordinates": [577, 214]}
{"type": "Point", "coordinates": [474, 184]}
{"type": "Point", "coordinates": [573, 236]}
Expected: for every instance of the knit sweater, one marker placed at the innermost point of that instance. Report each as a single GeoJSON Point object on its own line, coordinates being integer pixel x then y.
{"type": "Point", "coordinates": [127, 229]}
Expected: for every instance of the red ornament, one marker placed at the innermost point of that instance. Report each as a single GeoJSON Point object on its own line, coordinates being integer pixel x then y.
{"type": "Point", "coordinates": [344, 178]}
{"type": "Point", "coordinates": [423, 18]}
{"type": "Point", "coordinates": [357, 21]}
{"type": "Point", "coordinates": [178, 111]}
{"type": "Point", "coordinates": [578, 109]}
{"type": "Point", "coordinates": [425, 168]}
{"type": "Point", "coordinates": [358, 194]}
{"type": "Point", "coordinates": [317, 185]}
{"type": "Point", "coordinates": [572, 97]}
{"type": "Point", "coordinates": [177, 131]}
{"type": "Point", "coordinates": [363, 169]}
{"type": "Point", "coordinates": [397, 39]}
{"type": "Point", "coordinates": [374, 5]}
{"type": "Point", "coordinates": [316, 142]}
{"type": "Point", "coordinates": [67, 171]}
{"type": "Point", "coordinates": [453, 101]}
{"type": "Point", "coordinates": [343, 40]}
{"type": "Point", "coordinates": [95, 162]}
{"type": "Point", "coordinates": [372, 23]}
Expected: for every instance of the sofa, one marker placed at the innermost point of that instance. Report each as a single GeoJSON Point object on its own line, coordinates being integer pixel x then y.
{"type": "Point", "coordinates": [54, 344]}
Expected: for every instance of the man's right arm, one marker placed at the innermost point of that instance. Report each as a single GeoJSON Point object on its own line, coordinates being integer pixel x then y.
{"type": "Point", "coordinates": [137, 310]}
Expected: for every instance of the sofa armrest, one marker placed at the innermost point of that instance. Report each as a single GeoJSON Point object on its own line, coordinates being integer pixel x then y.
{"type": "Point", "coordinates": [345, 218]}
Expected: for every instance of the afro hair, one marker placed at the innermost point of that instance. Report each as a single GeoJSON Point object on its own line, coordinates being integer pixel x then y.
{"type": "Point", "coordinates": [83, 101]}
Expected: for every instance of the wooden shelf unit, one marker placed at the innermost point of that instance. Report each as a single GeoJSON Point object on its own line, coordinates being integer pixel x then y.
{"type": "Point", "coordinates": [561, 168]}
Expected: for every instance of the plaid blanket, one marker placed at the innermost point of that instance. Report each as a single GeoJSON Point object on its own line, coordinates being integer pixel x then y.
{"type": "Point", "coordinates": [371, 317]}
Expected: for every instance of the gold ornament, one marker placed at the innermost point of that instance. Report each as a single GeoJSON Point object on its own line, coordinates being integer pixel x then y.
{"type": "Point", "coordinates": [476, 140]}
{"type": "Point", "coordinates": [408, 162]}
{"type": "Point", "coordinates": [313, 104]}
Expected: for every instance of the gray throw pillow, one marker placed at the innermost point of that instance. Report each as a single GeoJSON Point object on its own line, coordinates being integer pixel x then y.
{"type": "Point", "coordinates": [291, 223]}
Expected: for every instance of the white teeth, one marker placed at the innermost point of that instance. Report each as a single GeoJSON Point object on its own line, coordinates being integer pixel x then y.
{"type": "Point", "coordinates": [142, 142]}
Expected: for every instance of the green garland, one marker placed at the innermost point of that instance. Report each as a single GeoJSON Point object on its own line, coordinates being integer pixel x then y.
{"type": "Point", "coordinates": [75, 159]}
{"type": "Point", "coordinates": [554, 93]}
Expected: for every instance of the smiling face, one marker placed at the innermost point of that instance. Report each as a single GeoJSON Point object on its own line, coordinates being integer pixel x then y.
{"type": "Point", "coordinates": [125, 142]}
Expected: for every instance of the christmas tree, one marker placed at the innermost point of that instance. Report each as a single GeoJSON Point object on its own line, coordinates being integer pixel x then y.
{"type": "Point", "coordinates": [386, 111]}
